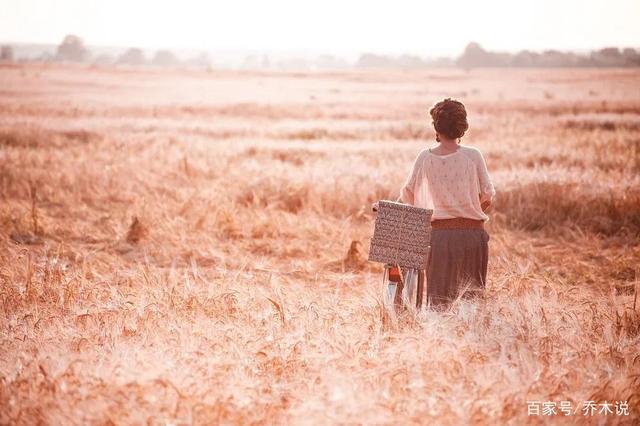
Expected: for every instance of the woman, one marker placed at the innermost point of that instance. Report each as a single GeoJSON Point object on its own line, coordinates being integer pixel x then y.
{"type": "Point", "coordinates": [452, 179]}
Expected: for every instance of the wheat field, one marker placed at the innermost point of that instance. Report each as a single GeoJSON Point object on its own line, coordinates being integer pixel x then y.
{"type": "Point", "coordinates": [189, 247]}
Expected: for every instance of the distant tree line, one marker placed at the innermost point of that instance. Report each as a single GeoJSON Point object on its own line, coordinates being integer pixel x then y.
{"type": "Point", "coordinates": [475, 56]}
{"type": "Point", "coordinates": [73, 49]}
{"type": "Point", "coordinates": [370, 60]}
{"type": "Point", "coordinates": [6, 54]}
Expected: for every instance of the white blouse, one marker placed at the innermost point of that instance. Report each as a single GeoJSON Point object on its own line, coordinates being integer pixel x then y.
{"type": "Point", "coordinates": [453, 185]}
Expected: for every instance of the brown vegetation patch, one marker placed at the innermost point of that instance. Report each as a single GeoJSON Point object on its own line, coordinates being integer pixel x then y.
{"type": "Point", "coordinates": [36, 137]}
{"type": "Point", "coordinates": [552, 205]}
{"type": "Point", "coordinates": [556, 108]}
{"type": "Point", "coordinates": [137, 231]}
{"type": "Point", "coordinates": [621, 122]}
{"type": "Point", "coordinates": [271, 194]}
{"type": "Point", "coordinates": [401, 131]}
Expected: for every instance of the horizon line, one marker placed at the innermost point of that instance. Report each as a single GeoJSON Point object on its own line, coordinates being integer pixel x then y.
{"type": "Point", "coordinates": [322, 50]}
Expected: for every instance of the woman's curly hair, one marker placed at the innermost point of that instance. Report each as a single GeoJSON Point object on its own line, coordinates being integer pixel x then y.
{"type": "Point", "coordinates": [449, 118]}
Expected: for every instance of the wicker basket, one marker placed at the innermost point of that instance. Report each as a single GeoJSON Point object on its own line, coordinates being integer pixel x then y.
{"type": "Point", "coordinates": [402, 235]}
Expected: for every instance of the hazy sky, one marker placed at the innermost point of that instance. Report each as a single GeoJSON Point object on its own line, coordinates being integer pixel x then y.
{"type": "Point", "coordinates": [400, 26]}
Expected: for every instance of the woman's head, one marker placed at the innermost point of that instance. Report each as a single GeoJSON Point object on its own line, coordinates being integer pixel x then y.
{"type": "Point", "coordinates": [449, 118]}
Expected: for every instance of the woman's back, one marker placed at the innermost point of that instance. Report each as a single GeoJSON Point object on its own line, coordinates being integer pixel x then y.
{"type": "Point", "coordinates": [453, 185]}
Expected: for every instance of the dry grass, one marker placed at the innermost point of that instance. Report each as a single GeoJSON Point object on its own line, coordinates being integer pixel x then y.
{"type": "Point", "coordinates": [188, 248]}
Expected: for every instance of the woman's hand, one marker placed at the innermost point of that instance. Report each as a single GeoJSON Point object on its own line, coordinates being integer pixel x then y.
{"type": "Point", "coordinates": [485, 201]}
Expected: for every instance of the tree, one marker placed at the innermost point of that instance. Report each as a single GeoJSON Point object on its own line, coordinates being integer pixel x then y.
{"type": "Point", "coordinates": [609, 56]}
{"type": "Point", "coordinates": [6, 54]}
{"type": "Point", "coordinates": [133, 56]}
{"type": "Point", "coordinates": [474, 55]}
{"type": "Point", "coordinates": [631, 56]}
{"type": "Point", "coordinates": [525, 58]}
{"type": "Point", "coordinates": [553, 58]}
{"type": "Point", "coordinates": [72, 49]}
{"type": "Point", "coordinates": [164, 58]}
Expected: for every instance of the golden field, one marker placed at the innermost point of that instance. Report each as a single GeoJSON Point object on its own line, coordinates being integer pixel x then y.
{"type": "Point", "coordinates": [189, 247]}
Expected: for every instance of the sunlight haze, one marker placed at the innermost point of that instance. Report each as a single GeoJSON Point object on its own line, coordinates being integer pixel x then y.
{"type": "Point", "coordinates": [423, 27]}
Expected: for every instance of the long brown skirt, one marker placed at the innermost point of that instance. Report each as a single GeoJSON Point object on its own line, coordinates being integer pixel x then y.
{"type": "Point", "coordinates": [458, 264]}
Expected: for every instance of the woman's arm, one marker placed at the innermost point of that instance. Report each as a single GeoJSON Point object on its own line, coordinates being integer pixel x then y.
{"type": "Point", "coordinates": [487, 190]}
